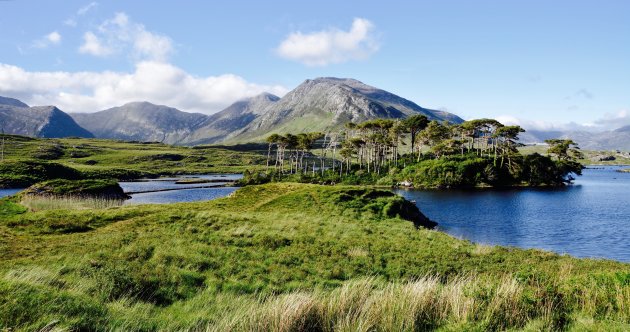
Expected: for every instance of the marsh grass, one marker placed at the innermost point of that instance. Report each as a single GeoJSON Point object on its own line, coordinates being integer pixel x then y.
{"type": "Point", "coordinates": [45, 203]}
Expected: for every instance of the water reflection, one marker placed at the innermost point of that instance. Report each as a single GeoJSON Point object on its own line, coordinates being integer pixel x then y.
{"type": "Point", "coordinates": [588, 219]}
{"type": "Point", "coordinates": [184, 195]}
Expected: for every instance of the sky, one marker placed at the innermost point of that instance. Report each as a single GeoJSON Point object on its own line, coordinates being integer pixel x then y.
{"type": "Point", "coordinates": [542, 64]}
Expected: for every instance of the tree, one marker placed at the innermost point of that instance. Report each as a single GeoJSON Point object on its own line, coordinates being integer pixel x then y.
{"type": "Point", "coordinates": [433, 134]}
{"type": "Point", "coordinates": [564, 149]}
{"type": "Point", "coordinates": [2, 144]}
{"type": "Point", "coordinates": [507, 145]}
{"type": "Point", "coordinates": [414, 125]}
{"type": "Point", "coordinates": [273, 139]}
{"type": "Point", "coordinates": [568, 153]}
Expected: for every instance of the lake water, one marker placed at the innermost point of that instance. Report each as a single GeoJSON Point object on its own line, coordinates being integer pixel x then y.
{"type": "Point", "coordinates": [179, 192]}
{"type": "Point", "coordinates": [184, 195]}
{"type": "Point", "coordinates": [8, 192]}
{"type": "Point", "coordinates": [588, 219]}
{"type": "Point", "coordinates": [169, 183]}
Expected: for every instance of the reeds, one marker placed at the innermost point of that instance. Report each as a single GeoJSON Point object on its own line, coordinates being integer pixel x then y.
{"type": "Point", "coordinates": [43, 203]}
{"type": "Point", "coordinates": [371, 305]}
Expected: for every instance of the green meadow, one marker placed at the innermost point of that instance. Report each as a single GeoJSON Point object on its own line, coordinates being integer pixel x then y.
{"type": "Point", "coordinates": [286, 257]}
{"type": "Point", "coordinates": [30, 160]}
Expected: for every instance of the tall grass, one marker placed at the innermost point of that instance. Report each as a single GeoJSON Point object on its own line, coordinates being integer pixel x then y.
{"type": "Point", "coordinates": [44, 203]}
{"type": "Point", "coordinates": [417, 305]}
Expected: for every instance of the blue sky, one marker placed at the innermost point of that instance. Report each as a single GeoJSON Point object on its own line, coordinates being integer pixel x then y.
{"type": "Point", "coordinates": [539, 63]}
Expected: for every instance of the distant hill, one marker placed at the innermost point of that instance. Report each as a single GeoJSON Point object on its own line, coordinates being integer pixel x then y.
{"type": "Point", "coordinates": [40, 121]}
{"type": "Point", "coordinates": [235, 117]}
{"type": "Point", "coordinates": [328, 103]}
{"type": "Point", "coordinates": [141, 121]}
{"type": "Point", "coordinates": [618, 139]}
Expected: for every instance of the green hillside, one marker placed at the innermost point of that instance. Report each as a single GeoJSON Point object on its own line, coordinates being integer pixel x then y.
{"type": "Point", "coordinates": [30, 160]}
{"type": "Point", "coordinates": [286, 257]}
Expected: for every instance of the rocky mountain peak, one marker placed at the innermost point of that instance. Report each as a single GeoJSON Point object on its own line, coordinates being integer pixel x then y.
{"type": "Point", "coordinates": [12, 102]}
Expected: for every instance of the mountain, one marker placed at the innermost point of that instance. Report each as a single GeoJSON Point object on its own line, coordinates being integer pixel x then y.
{"type": "Point", "coordinates": [320, 104]}
{"type": "Point", "coordinates": [41, 121]}
{"type": "Point", "coordinates": [328, 103]}
{"type": "Point", "coordinates": [11, 102]}
{"type": "Point", "coordinates": [235, 117]}
{"type": "Point", "coordinates": [618, 139]}
{"type": "Point", "coordinates": [141, 121]}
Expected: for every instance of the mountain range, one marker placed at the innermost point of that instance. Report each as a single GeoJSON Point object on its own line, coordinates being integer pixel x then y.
{"type": "Point", "coordinates": [618, 139]}
{"type": "Point", "coordinates": [320, 104]}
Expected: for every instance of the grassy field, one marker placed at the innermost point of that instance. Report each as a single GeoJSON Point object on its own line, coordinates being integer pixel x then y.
{"type": "Point", "coordinates": [286, 257]}
{"type": "Point", "coordinates": [95, 158]}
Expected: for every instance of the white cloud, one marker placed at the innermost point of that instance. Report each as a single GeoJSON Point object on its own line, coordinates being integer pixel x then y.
{"type": "Point", "coordinates": [53, 38]}
{"type": "Point", "coordinates": [330, 46]}
{"type": "Point", "coordinates": [615, 120]}
{"type": "Point", "coordinates": [530, 124]}
{"type": "Point", "coordinates": [83, 10]}
{"type": "Point", "coordinates": [152, 81]}
{"type": "Point", "coordinates": [70, 22]}
{"type": "Point", "coordinates": [119, 34]}
{"type": "Point", "coordinates": [93, 45]}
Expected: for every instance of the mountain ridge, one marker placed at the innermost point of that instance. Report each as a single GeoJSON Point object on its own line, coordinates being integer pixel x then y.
{"type": "Point", "coordinates": [327, 103]}
{"type": "Point", "coordinates": [38, 121]}
{"type": "Point", "coordinates": [141, 121]}
{"type": "Point", "coordinates": [319, 104]}
{"type": "Point", "coordinates": [234, 117]}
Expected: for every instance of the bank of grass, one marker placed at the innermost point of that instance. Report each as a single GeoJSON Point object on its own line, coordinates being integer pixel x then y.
{"type": "Point", "coordinates": [69, 203]}
{"type": "Point", "coordinates": [30, 160]}
{"type": "Point", "coordinates": [286, 257]}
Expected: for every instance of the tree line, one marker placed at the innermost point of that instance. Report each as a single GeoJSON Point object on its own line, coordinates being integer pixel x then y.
{"type": "Point", "coordinates": [382, 145]}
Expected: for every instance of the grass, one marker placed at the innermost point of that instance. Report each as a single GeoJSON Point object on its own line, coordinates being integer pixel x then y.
{"type": "Point", "coordinates": [68, 203]}
{"type": "Point", "coordinates": [286, 257]}
{"type": "Point", "coordinates": [30, 160]}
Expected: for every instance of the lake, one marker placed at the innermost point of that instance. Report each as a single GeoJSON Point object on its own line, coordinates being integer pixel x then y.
{"type": "Point", "coordinates": [182, 195]}
{"type": "Point", "coordinates": [588, 219]}
{"type": "Point", "coordinates": [8, 192]}
{"type": "Point", "coordinates": [166, 190]}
